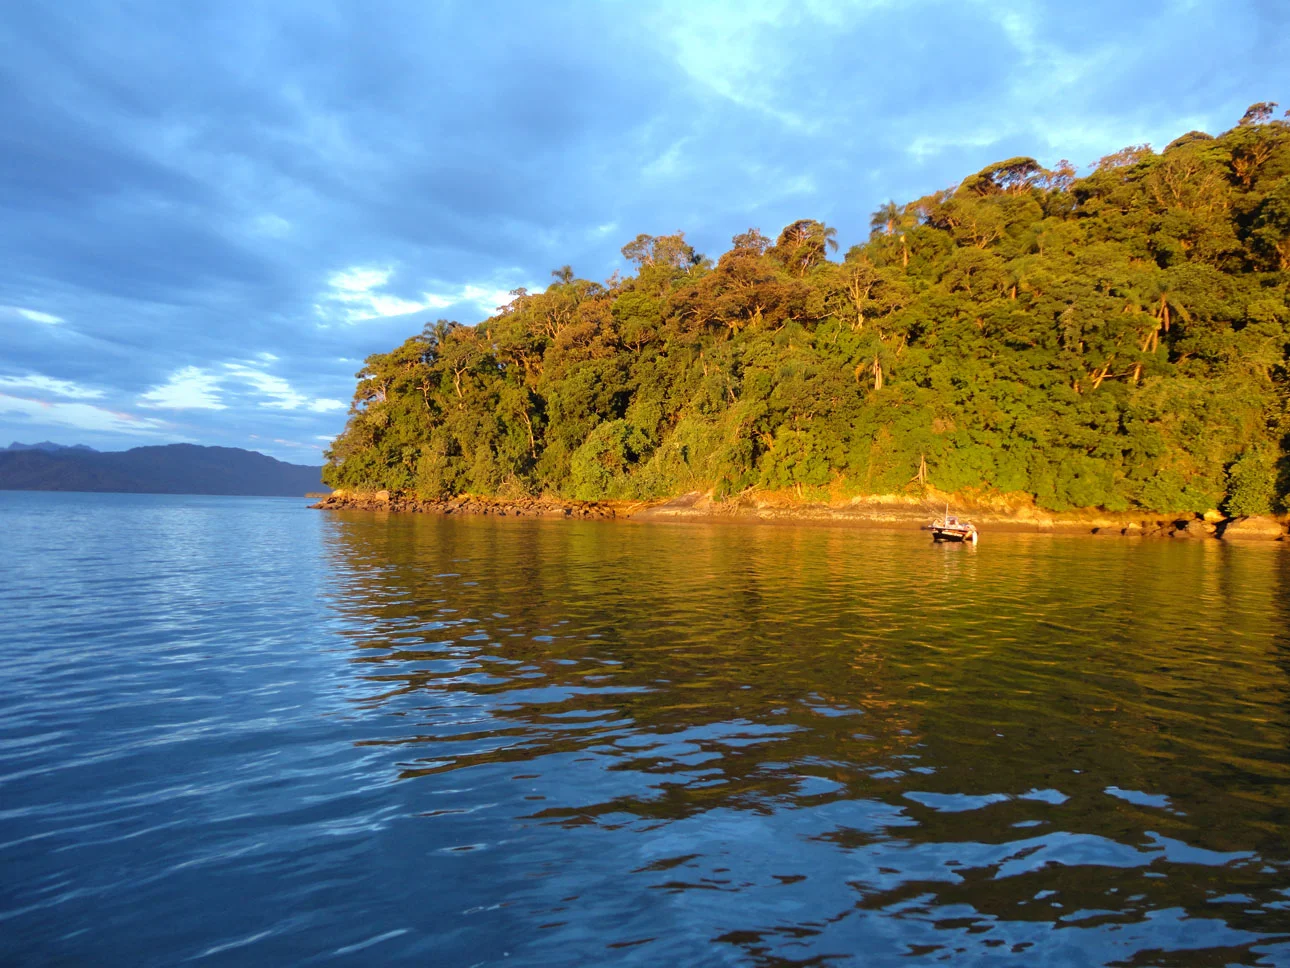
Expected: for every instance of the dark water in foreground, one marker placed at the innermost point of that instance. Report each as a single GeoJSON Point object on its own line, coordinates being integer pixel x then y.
{"type": "Point", "coordinates": [236, 731]}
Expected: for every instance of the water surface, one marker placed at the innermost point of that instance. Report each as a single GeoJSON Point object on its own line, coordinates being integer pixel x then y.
{"type": "Point", "coordinates": [238, 731]}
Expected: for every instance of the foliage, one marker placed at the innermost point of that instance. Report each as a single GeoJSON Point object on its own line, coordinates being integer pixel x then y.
{"type": "Point", "coordinates": [1252, 483]}
{"type": "Point", "coordinates": [1116, 341]}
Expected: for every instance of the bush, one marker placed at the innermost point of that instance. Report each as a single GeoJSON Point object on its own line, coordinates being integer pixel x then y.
{"type": "Point", "coordinates": [1252, 484]}
{"type": "Point", "coordinates": [599, 468]}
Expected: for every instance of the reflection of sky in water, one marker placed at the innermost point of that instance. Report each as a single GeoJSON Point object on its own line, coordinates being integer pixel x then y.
{"type": "Point", "coordinates": [711, 752]}
{"type": "Point", "coordinates": [474, 742]}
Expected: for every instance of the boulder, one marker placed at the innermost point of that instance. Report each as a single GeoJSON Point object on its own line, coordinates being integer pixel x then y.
{"type": "Point", "coordinates": [1259, 528]}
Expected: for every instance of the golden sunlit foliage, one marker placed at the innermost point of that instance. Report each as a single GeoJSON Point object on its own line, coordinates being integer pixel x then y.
{"type": "Point", "coordinates": [1114, 341]}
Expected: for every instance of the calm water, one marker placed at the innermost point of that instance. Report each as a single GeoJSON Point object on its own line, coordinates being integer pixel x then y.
{"type": "Point", "coordinates": [236, 731]}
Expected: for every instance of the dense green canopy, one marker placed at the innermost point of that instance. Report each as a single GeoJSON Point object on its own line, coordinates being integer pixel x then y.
{"type": "Point", "coordinates": [1115, 341]}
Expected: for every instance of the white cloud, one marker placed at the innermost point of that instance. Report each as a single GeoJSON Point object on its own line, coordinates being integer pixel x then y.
{"type": "Point", "coordinates": [32, 315]}
{"type": "Point", "coordinates": [47, 384]}
{"type": "Point", "coordinates": [194, 388]}
{"type": "Point", "coordinates": [355, 295]}
{"type": "Point", "coordinates": [295, 443]}
{"type": "Point", "coordinates": [668, 163]}
{"type": "Point", "coordinates": [1045, 67]}
{"type": "Point", "coordinates": [279, 393]}
{"type": "Point", "coordinates": [82, 416]}
{"type": "Point", "coordinates": [727, 55]}
{"type": "Point", "coordinates": [359, 280]}
{"type": "Point", "coordinates": [484, 298]}
{"type": "Point", "coordinates": [191, 388]}
{"type": "Point", "coordinates": [385, 305]}
{"type": "Point", "coordinates": [925, 146]}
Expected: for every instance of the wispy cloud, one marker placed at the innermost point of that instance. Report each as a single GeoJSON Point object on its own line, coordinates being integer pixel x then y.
{"type": "Point", "coordinates": [48, 384]}
{"type": "Point", "coordinates": [191, 388]}
{"type": "Point", "coordinates": [80, 416]}
{"type": "Point", "coordinates": [726, 55]}
{"type": "Point", "coordinates": [356, 294]}
{"type": "Point", "coordinates": [359, 293]}
{"type": "Point", "coordinates": [277, 393]}
{"type": "Point", "coordinates": [929, 145]}
{"type": "Point", "coordinates": [32, 315]}
{"type": "Point", "coordinates": [295, 443]}
{"type": "Point", "coordinates": [484, 299]}
{"type": "Point", "coordinates": [195, 388]}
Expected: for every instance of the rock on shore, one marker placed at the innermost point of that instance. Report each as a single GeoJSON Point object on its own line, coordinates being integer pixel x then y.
{"type": "Point", "coordinates": [1261, 528]}
{"type": "Point", "coordinates": [341, 500]}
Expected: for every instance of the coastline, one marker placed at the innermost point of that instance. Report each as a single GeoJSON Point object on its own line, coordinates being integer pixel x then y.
{"type": "Point", "coordinates": [898, 512]}
{"type": "Point", "coordinates": [541, 507]}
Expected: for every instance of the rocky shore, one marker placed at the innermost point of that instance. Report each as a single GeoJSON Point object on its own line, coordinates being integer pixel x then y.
{"type": "Point", "coordinates": [999, 513]}
{"type": "Point", "coordinates": [1016, 513]}
{"type": "Point", "coordinates": [340, 500]}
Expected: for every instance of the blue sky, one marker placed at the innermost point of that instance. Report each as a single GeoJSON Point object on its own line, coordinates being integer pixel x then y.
{"type": "Point", "coordinates": [213, 212]}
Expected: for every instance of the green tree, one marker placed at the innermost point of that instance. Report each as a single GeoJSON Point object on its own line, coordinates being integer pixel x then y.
{"type": "Point", "coordinates": [1117, 340]}
{"type": "Point", "coordinates": [804, 244]}
{"type": "Point", "coordinates": [1252, 484]}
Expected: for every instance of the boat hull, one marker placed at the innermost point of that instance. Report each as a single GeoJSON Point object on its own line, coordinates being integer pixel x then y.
{"type": "Point", "coordinates": [953, 534]}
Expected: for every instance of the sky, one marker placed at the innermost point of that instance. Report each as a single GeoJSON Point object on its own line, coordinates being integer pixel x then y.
{"type": "Point", "coordinates": [211, 213]}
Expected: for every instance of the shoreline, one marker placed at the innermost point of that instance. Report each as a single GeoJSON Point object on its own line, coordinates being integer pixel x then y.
{"type": "Point", "coordinates": [541, 507]}
{"type": "Point", "coordinates": [887, 511]}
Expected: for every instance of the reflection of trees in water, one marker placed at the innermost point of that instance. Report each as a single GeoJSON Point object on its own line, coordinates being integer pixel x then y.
{"type": "Point", "coordinates": [705, 668]}
{"type": "Point", "coordinates": [673, 628]}
{"type": "Point", "coordinates": [720, 651]}
{"type": "Point", "coordinates": [1280, 579]}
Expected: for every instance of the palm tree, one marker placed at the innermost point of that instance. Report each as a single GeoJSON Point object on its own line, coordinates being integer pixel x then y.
{"type": "Point", "coordinates": [884, 220]}
{"type": "Point", "coordinates": [891, 219]}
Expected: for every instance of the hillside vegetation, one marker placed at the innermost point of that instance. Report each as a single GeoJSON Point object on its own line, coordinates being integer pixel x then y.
{"type": "Point", "coordinates": [1115, 341]}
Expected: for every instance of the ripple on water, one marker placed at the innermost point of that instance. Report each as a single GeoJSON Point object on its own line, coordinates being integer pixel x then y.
{"type": "Point", "coordinates": [234, 730]}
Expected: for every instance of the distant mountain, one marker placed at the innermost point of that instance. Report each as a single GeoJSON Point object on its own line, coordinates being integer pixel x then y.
{"type": "Point", "coordinates": [49, 445]}
{"type": "Point", "coordinates": [171, 469]}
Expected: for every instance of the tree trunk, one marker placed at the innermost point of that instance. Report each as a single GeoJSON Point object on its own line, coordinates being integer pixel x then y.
{"type": "Point", "coordinates": [529, 423]}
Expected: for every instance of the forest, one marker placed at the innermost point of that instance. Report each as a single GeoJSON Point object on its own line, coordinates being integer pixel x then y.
{"type": "Point", "coordinates": [1114, 341]}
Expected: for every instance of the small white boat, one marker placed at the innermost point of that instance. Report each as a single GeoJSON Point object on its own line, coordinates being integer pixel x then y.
{"type": "Point", "coordinates": [950, 528]}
